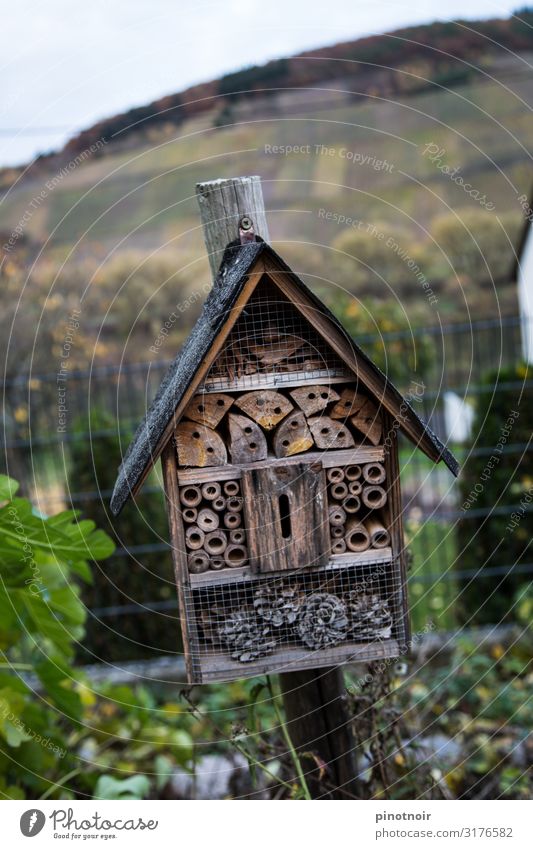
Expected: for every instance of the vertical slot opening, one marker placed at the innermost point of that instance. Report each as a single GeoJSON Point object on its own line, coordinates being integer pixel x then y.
{"type": "Point", "coordinates": [285, 516]}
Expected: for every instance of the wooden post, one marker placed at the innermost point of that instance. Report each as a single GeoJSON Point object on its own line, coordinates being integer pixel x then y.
{"type": "Point", "coordinates": [314, 700]}
{"type": "Point", "coordinates": [222, 203]}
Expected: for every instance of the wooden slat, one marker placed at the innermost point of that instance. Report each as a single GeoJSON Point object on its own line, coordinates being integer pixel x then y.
{"type": "Point", "coordinates": [220, 667]}
{"type": "Point", "coordinates": [337, 561]}
{"type": "Point", "coordinates": [277, 380]}
{"type": "Point", "coordinates": [360, 454]}
{"type": "Point", "coordinates": [303, 540]}
{"type": "Point", "coordinates": [179, 557]}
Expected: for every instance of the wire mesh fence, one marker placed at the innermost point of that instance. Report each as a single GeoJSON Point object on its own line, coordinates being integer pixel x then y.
{"type": "Point", "coordinates": [64, 448]}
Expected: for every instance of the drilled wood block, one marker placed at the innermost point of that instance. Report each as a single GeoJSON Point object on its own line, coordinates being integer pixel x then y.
{"type": "Point", "coordinates": [208, 409]}
{"type": "Point", "coordinates": [198, 445]}
{"type": "Point", "coordinates": [313, 399]}
{"type": "Point", "coordinates": [292, 436]}
{"type": "Point", "coordinates": [247, 442]}
{"type": "Point", "coordinates": [349, 403]}
{"type": "Point", "coordinates": [368, 421]}
{"type": "Point", "coordinates": [328, 433]}
{"type": "Point", "coordinates": [265, 406]}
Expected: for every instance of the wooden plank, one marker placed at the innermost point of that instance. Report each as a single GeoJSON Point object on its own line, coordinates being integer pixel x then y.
{"type": "Point", "coordinates": [286, 516]}
{"type": "Point", "coordinates": [392, 514]}
{"type": "Point", "coordinates": [277, 381]}
{"type": "Point", "coordinates": [336, 561]}
{"type": "Point", "coordinates": [356, 456]}
{"type": "Point", "coordinates": [220, 667]}
{"type": "Point", "coordinates": [179, 557]}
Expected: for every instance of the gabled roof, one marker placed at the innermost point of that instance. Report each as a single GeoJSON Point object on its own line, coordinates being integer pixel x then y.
{"type": "Point", "coordinates": [237, 264]}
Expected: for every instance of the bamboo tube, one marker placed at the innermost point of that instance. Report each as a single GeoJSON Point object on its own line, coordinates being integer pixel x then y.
{"type": "Point", "coordinates": [374, 497]}
{"type": "Point", "coordinates": [232, 520]}
{"type": "Point", "coordinates": [194, 537]}
{"type": "Point", "coordinates": [235, 555]}
{"type": "Point", "coordinates": [335, 475]}
{"type": "Point", "coordinates": [219, 504]}
{"type": "Point", "coordinates": [355, 487]}
{"type": "Point", "coordinates": [190, 496]}
{"type": "Point", "coordinates": [190, 514]}
{"type": "Point", "coordinates": [217, 563]}
{"type": "Point", "coordinates": [337, 531]}
{"type": "Point", "coordinates": [231, 488]}
{"type": "Point", "coordinates": [351, 504]}
{"type": "Point", "coordinates": [197, 562]}
{"type": "Point", "coordinates": [237, 537]}
{"type": "Point", "coordinates": [379, 535]}
{"type": "Point", "coordinates": [337, 516]}
{"type": "Point", "coordinates": [216, 542]}
{"type": "Point", "coordinates": [357, 538]}
{"type": "Point", "coordinates": [234, 504]}
{"type": "Point", "coordinates": [211, 490]}
{"type": "Point", "coordinates": [208, 520]}
{"type": "Point", "coordinates": [374, 473]}
{"type": "Point", "coordinates": [339, 546]}
{"type": "Point", "coordinates": [338, 491]}
{"type": "Point", "coordinates": [353, 473]}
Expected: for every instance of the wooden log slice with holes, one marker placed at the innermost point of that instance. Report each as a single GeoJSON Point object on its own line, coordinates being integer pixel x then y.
{"type": "Point", "coordinates": [198, 445]}
{"type": "Point", "coordinates": [339, 546]}
{"type": "Point", "coordinates": [292, 436]}
{"type": "Point", "coordinates": [235, 555]}
{"type": "Point", "coordinates": [194, 538]}
{"type": "Point", "coordinates": [349, 403]}
{"type": "Point", "coordinates": [328, 433]}
{"type": "Point", "coordinates": [216, 542]}
{"type": "Point", "coordinates": [335, 475]}
{"type": "Point", "coordinates": [265, 406]}
{"type": "Point", "coordinates": [232, 520]}
{"type": "Point", "coordinates": [368, 421]}
{"type": "Point", "coordinates": [207, 409]}
{"type": "Point", "coordinates": [313, 399]}
{"type": "Point", "coordinates": [337, 515]}
{"type": "Point", "coordinates": [355, 487]}
{"type": "Point", "coordinates": [211, 490]}
{"type": "Point", "coordinates": [247, 442]}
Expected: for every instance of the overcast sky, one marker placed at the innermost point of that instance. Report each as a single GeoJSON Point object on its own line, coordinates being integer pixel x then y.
{"type": "Point", "coordinates": [66, 64]}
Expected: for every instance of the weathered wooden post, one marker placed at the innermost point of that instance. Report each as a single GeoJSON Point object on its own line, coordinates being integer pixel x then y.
{"type": "Point", "coordinates": [315, 701]}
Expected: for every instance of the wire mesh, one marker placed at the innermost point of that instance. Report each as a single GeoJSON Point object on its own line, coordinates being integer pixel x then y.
{"type": "Point", "coordinates": [271, 342]}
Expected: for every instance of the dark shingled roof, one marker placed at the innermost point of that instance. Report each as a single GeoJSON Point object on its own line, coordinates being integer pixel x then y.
{"type": "Point", "coordinates": [237, 261]}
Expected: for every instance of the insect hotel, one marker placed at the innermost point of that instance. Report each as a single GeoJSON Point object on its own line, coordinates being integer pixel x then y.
{"type": "Point", "coordinates": [278, 442]}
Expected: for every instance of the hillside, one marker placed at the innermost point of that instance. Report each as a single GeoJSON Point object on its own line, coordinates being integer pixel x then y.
{"type": "Point", "coordinates": [363, 131]}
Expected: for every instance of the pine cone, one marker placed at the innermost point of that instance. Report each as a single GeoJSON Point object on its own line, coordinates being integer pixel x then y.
{"type": "Point", "coordinates": [322, 621]}
{"type": "Point", "coordinates": [245, 636]}
{"type": "Point", "coordinates": [370, 616]}
{"type": "Point", "coordinates": [277, 604]}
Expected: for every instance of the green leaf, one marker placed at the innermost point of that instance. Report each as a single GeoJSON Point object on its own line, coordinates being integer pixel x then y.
{"type": "Point", "coordinates": [164, 767]}
{"type": "Point", "coordinates": [12, 728]}
{"type": "Point", "coordinates": [135, 787]}
{"type": "Point", "coordinates": [8, 488]}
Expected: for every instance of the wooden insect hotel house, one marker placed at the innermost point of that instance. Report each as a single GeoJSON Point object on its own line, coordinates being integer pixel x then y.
{"type": "Point", "coordinates": [278, 438]}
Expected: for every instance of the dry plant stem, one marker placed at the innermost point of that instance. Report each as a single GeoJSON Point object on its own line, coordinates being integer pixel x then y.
{"type": "Point", "coordinates": [249, 757]}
